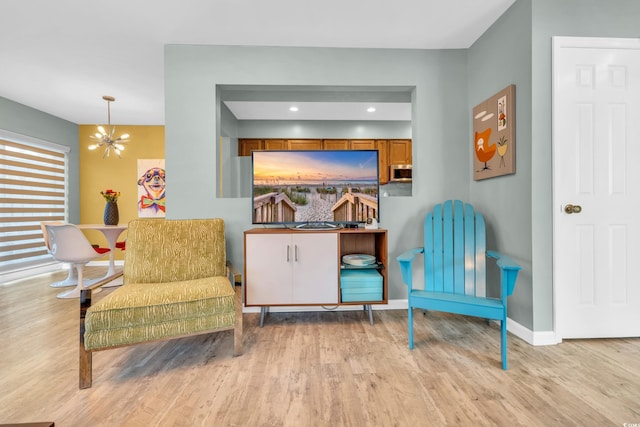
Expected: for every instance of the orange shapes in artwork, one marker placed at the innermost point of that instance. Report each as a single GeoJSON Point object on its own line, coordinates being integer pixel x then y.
{"type": "Point", "coordinates": [484, 151]}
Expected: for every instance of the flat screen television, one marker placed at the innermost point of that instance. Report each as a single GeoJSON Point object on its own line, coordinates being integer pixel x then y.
{"type": "Point", "coordinates": [315, 188]}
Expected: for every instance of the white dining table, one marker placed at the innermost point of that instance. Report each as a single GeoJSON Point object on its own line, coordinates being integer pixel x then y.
{"type": "Point", "coordinates": [111, 233]}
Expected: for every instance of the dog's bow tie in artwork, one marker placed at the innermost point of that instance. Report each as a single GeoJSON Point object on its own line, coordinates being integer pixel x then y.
{"type": "Point", "coordinates": [147, 202]}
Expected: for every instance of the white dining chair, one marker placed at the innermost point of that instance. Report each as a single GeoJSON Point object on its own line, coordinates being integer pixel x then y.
{"type": "Point", "coordinates": [71, 279]}
{"type": "Point", "coordinates": [69, 245]}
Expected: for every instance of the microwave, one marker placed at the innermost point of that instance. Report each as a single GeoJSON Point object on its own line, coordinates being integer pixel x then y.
{"type": "Point", "coordinates": [400, 173]}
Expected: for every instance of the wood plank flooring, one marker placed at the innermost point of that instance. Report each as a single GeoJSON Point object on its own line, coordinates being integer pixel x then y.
{"type": "Point", "coordinates": [308, 369]}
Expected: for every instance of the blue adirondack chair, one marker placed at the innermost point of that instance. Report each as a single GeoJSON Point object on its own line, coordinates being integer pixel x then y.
{"type": "Point", "coordinates": [454, 269]}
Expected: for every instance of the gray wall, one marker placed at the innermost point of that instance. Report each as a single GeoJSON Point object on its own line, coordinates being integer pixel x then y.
{"type": "Point", "coordinates": [502, 56]}
{"type": "Point", "coordinates": [439, 123]}
{"type": "Point", "coordinates": [228, 162]}
{"type": "Point", "coordinates": [517, 49]}
{"type": "Point", "coordinates": [23, 120]}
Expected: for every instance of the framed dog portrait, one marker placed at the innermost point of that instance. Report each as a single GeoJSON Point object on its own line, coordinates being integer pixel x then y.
{"type": "Point", "coordinates": [494, 144]}
{"type": "Point", "coordinates": [151, 188]}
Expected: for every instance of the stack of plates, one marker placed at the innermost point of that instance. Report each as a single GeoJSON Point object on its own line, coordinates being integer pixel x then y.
{"type": "Point", "coordinates": [359, 259]}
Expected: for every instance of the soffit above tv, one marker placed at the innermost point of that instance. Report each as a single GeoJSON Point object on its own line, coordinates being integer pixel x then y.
{"type": "Point", "coordinates": [259, 102]}
{"type": "Point", "coordinates": [258, 110]}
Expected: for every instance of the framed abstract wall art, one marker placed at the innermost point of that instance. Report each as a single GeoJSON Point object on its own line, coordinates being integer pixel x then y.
{"type": "Point", "coordinates": [494, 144]}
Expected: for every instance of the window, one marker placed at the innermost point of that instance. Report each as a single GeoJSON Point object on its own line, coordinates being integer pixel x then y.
{"type": "Point", "coordinates": [33, 188]}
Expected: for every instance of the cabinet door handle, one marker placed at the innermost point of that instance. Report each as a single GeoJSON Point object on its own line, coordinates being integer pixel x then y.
{"type": "Point", "coordinates": [296, 253]}
{"type": "Point", "coordinates": [288, 250]}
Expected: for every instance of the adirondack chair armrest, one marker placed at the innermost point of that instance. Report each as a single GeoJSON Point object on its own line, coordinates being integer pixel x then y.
{"type": "Point", "coordinates": [406, 260]}
{"type": "Point", "coordinates": [509, 271]}
{"type": "Point", "coordinates": [504, 261]}
{"type": "Point", "coordinates": [409, 255]}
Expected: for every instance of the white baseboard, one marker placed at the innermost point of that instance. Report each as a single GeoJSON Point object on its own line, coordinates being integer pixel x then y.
{"type": "Point", "coordinates": [532, 337]}
{"type": "Point", "coordinates": [527, 335]}
{"type": "Point", "coordinates": [9, 278]}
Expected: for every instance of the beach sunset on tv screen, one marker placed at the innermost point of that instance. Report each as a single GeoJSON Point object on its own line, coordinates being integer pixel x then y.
{"type": "Point", "coordinates": [315, 186]}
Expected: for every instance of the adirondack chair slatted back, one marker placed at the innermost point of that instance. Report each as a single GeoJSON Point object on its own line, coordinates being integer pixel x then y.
{"type": "Point", "coordinates": [455, 249]}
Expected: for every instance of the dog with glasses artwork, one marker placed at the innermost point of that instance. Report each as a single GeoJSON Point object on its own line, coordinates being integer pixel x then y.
{"type": "Point", "coordinates": [152, 200]}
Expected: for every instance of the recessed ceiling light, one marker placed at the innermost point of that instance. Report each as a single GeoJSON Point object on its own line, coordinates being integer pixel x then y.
{"type": "Point", "coordinates": [371, 109]}
{"type": "Point", "coordinates": [294, 108]}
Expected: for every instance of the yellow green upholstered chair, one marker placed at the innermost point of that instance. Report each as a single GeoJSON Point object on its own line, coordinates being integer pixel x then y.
{"type": "Point", "coordinates": [176, 283]}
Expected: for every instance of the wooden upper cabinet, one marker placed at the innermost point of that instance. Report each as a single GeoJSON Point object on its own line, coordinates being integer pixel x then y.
{"type": "Point", "coordinates": [246, 146]}
{"type": "Point", "coordinates": [335, 144]}
{"type": "Point", "coordinates": [400, 152]}
{"type": "Point", "coordinates": [383, 160]}
{"type": "Point", "coordinates": [276, 144]}
{"type": "Point", "coordinates": [305, 144]}
{"type": "Point", "coordinates": [362, 144]}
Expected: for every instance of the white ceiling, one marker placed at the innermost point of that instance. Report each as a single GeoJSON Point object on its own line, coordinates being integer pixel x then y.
{"type": "Point", "coordinates": [62, 56]}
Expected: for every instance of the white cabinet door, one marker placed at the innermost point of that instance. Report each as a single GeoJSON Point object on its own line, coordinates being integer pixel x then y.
{"type": "Point", "coordinates": [269, 261]}
{"type": "Point", "coordinates": [315, 268]}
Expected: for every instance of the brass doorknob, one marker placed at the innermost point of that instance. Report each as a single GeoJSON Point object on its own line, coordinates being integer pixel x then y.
{"type": "Point", "coordinates": [571, 209]}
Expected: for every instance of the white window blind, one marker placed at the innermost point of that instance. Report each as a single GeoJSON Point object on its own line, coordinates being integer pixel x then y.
{"type": "Point", "coordinates": [33, 188]}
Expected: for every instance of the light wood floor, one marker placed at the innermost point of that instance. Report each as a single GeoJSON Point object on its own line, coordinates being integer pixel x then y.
{"type": "Point", "coordinates": [308, 369]}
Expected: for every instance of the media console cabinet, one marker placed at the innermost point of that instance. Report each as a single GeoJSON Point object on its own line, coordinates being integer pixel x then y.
{"type": "Point", "coordinates": [292, 267]}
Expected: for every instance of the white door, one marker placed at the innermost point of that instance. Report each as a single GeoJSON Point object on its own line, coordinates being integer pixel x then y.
{"type": "Point", "coordinates": [596, 168]}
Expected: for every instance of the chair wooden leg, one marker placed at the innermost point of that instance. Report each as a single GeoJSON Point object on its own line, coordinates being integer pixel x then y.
{"type": "Point", "coordinates": [85, 362]}
{"type": "Point", "coordinates": [503, 343]}
{"type": "Point", "coordinates": [237, 328]}
{"type": "Point", "coordinates": [410, 325]}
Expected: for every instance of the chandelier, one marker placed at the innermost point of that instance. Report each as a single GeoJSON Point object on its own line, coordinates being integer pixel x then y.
{"type": "Point", "coordinates": [105, 137]}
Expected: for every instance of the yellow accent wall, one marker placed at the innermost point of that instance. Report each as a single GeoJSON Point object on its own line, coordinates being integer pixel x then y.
{"type": "Point", "coordinates": [118, 174]}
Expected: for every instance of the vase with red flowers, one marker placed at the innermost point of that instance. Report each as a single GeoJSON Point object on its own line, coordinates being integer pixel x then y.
{"type": "Point", "coordinates": [111, 215]}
